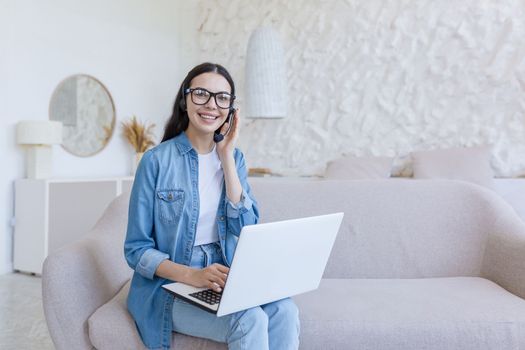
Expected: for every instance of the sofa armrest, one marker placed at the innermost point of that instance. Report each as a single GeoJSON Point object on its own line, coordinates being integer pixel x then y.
{"type": "Point", "coordinates": [76, 281]}
{"type": "Point", "coordinates": [504, 258]}
{"type": "Point", "coordinates": [79, 278]}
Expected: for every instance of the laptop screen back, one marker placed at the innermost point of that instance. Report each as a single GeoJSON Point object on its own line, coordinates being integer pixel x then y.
{"type": "Point", "coordinates": [277, 260]}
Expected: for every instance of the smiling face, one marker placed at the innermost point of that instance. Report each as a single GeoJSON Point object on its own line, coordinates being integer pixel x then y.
{"type": "Point", "coordinates": [205, 119]}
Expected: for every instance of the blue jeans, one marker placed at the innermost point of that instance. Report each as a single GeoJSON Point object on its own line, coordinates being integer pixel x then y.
{"type": "Point", "coordinates": [270, 326]}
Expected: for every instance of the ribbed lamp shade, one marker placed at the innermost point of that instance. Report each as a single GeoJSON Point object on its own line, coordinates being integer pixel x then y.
{"type": "Point", "coordinates": [265, 85]}
{"type": "Point", "coordinates": [39, 132]}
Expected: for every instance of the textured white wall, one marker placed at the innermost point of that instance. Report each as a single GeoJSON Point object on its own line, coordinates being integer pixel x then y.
{"type": "Point", "coordinates": [381, 78]}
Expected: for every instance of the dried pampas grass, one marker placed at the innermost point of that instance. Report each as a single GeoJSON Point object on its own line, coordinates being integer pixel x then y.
{"type": "Point", "coordinates": [139, 135]}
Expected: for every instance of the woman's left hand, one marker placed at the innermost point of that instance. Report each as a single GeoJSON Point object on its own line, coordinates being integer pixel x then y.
{"type": "Point", "coordinates": [227, 145]}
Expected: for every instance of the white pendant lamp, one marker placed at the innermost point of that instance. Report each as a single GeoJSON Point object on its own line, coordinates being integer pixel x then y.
{"type": "Point", "coordinates": [266, 91]}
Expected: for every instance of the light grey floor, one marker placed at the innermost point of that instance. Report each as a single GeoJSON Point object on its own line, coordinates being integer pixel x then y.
{"type": "Point", "coordinates": [22, 323]}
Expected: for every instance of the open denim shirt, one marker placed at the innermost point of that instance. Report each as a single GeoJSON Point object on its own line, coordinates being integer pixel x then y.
{"type": "Point", "coordinates": [162, 221]}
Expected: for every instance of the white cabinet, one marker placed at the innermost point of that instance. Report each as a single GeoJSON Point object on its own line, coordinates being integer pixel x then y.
{"type": "Point", "coordinates": [50, 213]}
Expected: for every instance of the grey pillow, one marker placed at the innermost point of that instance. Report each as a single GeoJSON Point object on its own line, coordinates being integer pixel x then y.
{"type": "Point", "coordinates": [468, 164]}
{"type": "Point", "coordinates": [359, 168]}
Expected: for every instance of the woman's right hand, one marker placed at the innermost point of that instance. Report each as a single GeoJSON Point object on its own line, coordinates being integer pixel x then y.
{"type": "Point", "coordinates": [213, 277]}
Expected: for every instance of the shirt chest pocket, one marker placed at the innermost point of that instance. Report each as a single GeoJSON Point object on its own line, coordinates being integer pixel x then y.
{"type": "Point", "coordinates": [169, 205]}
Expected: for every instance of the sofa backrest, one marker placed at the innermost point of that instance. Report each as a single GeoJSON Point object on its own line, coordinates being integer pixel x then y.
{"type": "Point", "coordinates": [394, 228]}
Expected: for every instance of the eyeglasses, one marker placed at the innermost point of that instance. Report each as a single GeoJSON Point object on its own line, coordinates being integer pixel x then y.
{"type": "Point", "coordinates": [201, 96]}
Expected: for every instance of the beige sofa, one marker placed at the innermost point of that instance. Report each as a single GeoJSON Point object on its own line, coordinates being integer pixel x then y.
{"type": "Point", "coordinates": [422, 264]}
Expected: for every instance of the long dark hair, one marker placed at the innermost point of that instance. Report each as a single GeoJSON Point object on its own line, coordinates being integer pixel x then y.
{"type": "Point", "coordinates": [179, 120]}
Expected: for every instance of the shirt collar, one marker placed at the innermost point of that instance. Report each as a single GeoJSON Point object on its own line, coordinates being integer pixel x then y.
{"type": "Point", "coordinates": [183, 143]}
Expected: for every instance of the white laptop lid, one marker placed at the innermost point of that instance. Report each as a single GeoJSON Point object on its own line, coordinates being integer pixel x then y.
{"type": "Point", "coordinates": [278, 260]}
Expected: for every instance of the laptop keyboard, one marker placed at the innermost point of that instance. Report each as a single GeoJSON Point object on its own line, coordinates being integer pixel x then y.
{"type": "Point", "coordinates": [208, 296]}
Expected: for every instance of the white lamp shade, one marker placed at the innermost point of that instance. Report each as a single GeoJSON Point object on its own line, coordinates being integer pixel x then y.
{"type": "Point", "coordinates": [266, 93]}
{"type": "Point", "coordinates": [39, 132]}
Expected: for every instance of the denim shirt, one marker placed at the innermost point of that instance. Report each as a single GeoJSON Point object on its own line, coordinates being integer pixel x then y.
{"type": "Point", "coordinates": [162, 221]}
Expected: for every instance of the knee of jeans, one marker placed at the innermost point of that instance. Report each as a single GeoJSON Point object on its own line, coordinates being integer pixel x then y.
{"type": "Point", "coordinates": [284, 308]}
{"type": "Point", "coordinates": [253, 319]}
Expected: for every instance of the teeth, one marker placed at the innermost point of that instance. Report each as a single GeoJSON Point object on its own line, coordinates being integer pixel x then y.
{"type": "Point", "coordinates": [211, 117]}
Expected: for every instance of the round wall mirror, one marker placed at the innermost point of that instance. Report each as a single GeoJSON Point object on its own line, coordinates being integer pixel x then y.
{"type": "Point", "coordinates": [86, 110]}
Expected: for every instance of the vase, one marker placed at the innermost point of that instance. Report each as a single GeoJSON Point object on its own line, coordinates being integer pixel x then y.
{"type": "Point", "coordinates": [135, 160]}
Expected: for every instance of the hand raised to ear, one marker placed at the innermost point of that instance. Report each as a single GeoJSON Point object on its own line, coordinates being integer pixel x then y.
{"type": "Point", "coordinates": [227, 145]}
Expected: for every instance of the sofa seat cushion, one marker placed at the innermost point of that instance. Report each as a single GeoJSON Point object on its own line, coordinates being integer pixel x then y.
{"type": "Point", "coordinates": [434, 313]}
{"type": "Point", "coordinates": [112, 327]}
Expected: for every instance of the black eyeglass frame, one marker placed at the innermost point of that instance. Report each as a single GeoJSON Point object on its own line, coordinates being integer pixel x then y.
{"type": "Point", "coordinates": [212, 94]}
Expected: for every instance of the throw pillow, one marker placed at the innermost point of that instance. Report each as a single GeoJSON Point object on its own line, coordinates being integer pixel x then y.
{"type": "Point", "coordinates": [468, 164]}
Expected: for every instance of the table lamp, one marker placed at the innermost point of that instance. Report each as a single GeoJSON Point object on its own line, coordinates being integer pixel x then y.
{"type": "Point", "coordinates": [38, 137]}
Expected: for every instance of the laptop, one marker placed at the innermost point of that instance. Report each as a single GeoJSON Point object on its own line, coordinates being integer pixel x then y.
{"type": "Point", "coordinates": [272, 261]}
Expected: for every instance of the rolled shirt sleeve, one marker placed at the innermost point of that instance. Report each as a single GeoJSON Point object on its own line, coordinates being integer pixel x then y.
{"type": "Point", "coordinates": [244, 205]}
{"type": "Point", "coordinates": [149, 262]}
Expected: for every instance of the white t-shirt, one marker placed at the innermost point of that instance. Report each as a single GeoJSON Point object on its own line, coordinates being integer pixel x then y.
{"type": "Point", "coordinates": [210, 188]}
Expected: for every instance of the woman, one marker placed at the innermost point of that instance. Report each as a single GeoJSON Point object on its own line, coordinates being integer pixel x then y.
{"type": "Point", "coordinates": [189, 201]}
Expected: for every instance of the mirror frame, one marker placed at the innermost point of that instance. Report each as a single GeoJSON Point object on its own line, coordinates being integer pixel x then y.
{"type": "Point", "coordinates": [113, 110]}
